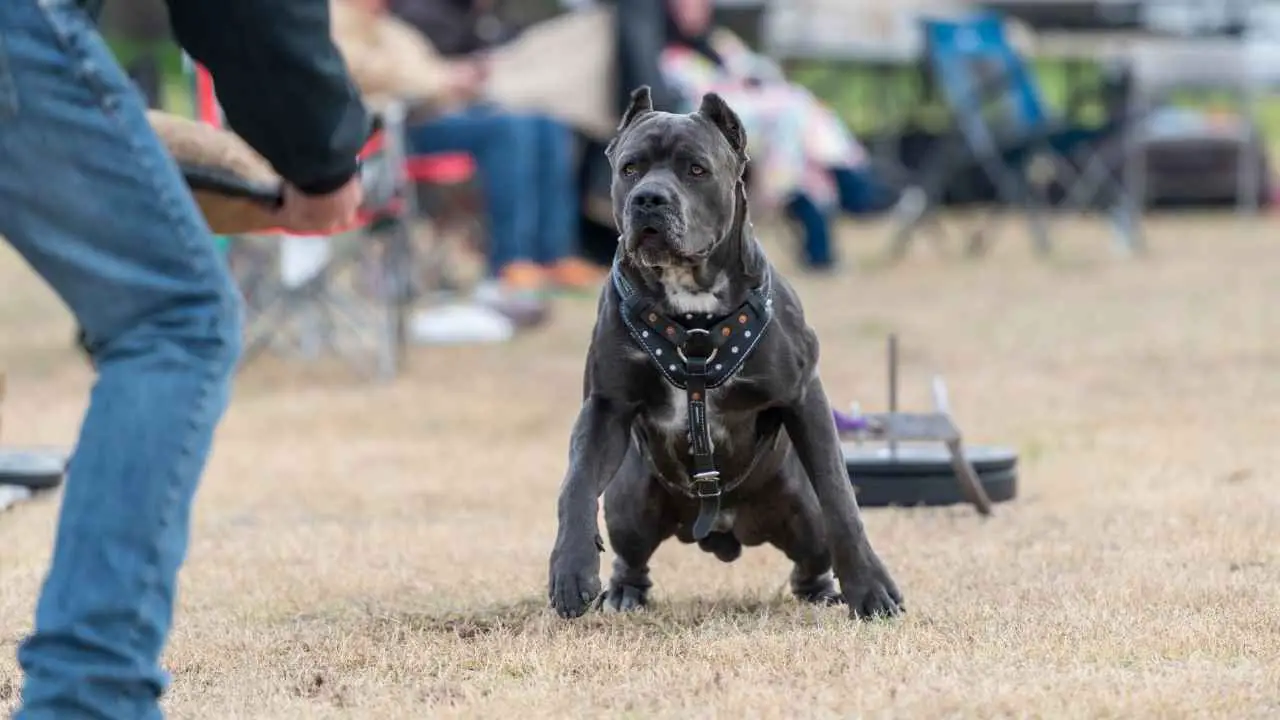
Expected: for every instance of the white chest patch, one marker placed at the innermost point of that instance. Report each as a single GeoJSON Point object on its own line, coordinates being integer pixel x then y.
{"type": "Point", "coordinates": [685, 296]}
{"type": "Point", "coordinates": [676, 424]}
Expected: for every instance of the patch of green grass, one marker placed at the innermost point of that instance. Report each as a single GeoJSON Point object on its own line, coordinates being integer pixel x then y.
{"type": "Point", "coordinates": [879, 99]}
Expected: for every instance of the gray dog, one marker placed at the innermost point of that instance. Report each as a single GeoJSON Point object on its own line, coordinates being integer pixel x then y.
{"type": "Point", "coordinates": [703, 415]}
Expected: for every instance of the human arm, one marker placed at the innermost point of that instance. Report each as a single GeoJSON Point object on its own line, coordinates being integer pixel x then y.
{"type": "Point", "coordinates": [388, 55]}
{"type": "Point", "coordinates": [281, 82]}
{"type": "Point", "coordinates": [743, 63]}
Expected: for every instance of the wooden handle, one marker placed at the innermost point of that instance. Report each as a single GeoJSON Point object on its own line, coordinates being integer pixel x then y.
{"type": "Point", "coordinates": [225, 183]}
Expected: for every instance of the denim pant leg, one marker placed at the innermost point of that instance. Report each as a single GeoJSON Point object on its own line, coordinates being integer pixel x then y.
{"type": "Point", "coordinates": [92, 201]}
{"type": "Point", "coordinates": [861, 192]}
{"type": "Point", "coordinates": [557, 187]}
{"type": "Point", "coordinates": [502, 145]}
{"type": "Point", "coordinates": [816, 226]}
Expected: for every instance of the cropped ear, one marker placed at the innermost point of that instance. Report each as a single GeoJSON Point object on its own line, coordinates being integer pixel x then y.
{"type": "Point", "coordinates": [641, 103]}
{"type": "Point", "coordinates": [715, 109]}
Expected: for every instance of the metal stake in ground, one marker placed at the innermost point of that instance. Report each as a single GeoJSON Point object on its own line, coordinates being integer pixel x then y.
{"type": "Point", "coordinates": [893, 388]}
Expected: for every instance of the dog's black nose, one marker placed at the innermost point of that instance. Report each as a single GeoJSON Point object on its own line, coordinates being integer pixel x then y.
{"type": "Point", "coordinates": [649, 200]}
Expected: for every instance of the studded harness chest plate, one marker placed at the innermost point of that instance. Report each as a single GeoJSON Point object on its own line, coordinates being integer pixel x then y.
{"type": "Point", "coordinates": [695, 354]}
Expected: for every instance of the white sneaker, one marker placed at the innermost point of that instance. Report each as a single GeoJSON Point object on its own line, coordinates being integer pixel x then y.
{"type": "Point", "coordinates": [524, 309]}
{"type": "Point", "coordinates": [302, 258]}
{"type": "Point", "coordinates": [460, 324]}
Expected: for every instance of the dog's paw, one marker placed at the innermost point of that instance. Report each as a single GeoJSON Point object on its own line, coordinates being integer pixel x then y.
{"type": "Point", "coordinates": [573, 592]}
{"type": "Point", "coordinates": [821, 592]}
{"type": "Point", "coordinates": [621, 597]}
{"type": "Point", "coordinates": [871, 592]}
{"type": "Point", "coordinates": [574, 584]}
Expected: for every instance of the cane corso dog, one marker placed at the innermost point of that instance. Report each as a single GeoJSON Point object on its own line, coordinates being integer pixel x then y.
{"type": "Point", "coordinates": [703, 415]}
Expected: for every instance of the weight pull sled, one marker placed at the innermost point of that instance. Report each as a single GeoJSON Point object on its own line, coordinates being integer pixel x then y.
{"type": "Point", "coordinates": [946, 473]}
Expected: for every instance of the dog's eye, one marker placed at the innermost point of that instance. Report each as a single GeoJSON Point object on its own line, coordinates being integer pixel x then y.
{"type": "Point", "coordinates": [629, 169]}
{"type": "Point", "coordinates": [697, 170]}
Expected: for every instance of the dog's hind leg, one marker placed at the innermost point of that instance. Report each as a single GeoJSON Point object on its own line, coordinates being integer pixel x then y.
{"type": "Point", "coordinates": [638, 517]}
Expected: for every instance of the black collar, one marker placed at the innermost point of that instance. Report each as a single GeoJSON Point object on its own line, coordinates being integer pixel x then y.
{"type": "Point", "coordinates": [732, 337]}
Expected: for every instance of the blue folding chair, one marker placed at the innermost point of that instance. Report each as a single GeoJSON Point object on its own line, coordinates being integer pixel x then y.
{"type": "Point", "coordinates": [1003, 130]}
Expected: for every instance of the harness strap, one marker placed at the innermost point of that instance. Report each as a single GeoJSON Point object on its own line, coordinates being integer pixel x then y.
{"type": "Point", "coordinates": [699, 349]}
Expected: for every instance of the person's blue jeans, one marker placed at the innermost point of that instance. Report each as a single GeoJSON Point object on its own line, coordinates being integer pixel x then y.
{"type": "Point", "coordinates": [525, 168]}
{"type": "Point", "coordinates": [862, 192]}
{"type": "Point", "coordinates": [92, 201]}
{"type": "Point", "coordinates": [859, 192]}
{"type": "Point", "coordinates": [815, 228]}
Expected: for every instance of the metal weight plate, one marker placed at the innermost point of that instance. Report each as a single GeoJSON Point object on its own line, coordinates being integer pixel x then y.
{"type": "Point", "coordinates": [930, 490]}
{"type": "Point", "coordinates": [919, 460]}
{"type": "Point", "coordinates": [923, 475]}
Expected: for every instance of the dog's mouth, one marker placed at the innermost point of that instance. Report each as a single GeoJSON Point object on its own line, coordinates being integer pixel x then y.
{"type": "Point", "coordinates": [656, 247]}
{"type": "Point", "coordinates": [649, 235]}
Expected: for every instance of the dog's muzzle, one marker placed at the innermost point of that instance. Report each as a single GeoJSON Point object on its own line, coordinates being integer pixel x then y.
{"type": "Point", "coordinates": [654, 235]}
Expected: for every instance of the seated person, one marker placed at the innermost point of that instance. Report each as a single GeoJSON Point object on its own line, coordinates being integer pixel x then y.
{"type": "Point", "coordinates": [525, 161]}
{"type": "Point", "coordinates": [803, 158]}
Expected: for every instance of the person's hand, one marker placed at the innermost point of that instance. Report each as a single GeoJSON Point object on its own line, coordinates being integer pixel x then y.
{"type": "Point", "coordinates": [483, 64]}
{"type": "Point", "coordinates": [335, 211]}
{"type": "Point", "coordinates": [465, 79]}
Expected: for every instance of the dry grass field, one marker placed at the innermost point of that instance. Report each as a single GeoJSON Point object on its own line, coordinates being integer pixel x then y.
{"type": "Point", "coordinates": [380, 551]}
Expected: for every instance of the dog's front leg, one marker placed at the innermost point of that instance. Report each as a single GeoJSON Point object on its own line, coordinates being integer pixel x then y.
{"type": "Point", "coordinates": [864, 581]}
{"type": "Point", "coordinates": [596, 450]}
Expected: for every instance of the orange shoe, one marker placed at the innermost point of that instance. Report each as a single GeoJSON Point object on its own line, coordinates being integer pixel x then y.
{"type": "Point", "coordinates": [524, 277]}
{"type": "Point", "coordinates": [576, 274]}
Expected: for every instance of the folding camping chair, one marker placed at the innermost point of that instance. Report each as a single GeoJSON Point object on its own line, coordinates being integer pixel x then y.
{"type": "Point", "coordinates": [1003, 129]}
{"type": "Point", "coordinates": [349, 293]}
{"type": "Point", "coordinates": [1245, 70]}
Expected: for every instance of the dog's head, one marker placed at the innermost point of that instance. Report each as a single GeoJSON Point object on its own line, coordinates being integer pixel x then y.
{"type": "Point", "coordinates": [677, 180]}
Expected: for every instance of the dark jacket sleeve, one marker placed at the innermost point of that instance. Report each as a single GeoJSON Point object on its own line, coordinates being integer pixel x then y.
{"type": "Point", "coordinates": [281, 82]}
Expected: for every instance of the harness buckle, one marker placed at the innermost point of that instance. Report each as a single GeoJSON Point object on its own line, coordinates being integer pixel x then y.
{"type": "Point", "coordinates": [704, 480]}
{"type": "Point", "coordinates": [701, 341]}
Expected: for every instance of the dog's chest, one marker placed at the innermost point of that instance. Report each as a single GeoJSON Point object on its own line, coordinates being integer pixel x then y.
{"type": "Point", "coordinates": [687, 298]}
{"type": "Point", "coordinates": [672, 419]}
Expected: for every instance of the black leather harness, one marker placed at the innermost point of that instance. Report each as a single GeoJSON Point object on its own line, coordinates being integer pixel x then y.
{"type": "Point", "coordinates": [697, 353]}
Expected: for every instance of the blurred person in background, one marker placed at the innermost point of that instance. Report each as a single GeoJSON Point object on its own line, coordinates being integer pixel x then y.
{"type": "Point", "coordinates": [525, 161]}
{"type": "Point", "coordinates": [803, 157]}
{"type": "Point", "coordinates": [637, 34]}
{"type": "Point", "coordinates": [97, 206]}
